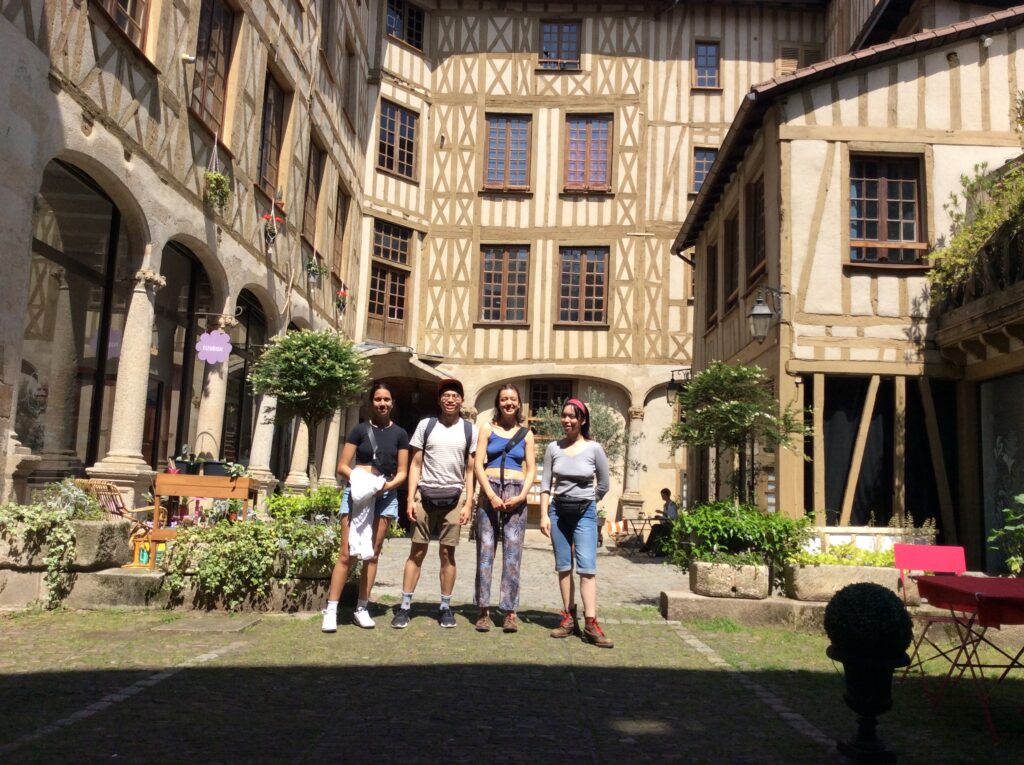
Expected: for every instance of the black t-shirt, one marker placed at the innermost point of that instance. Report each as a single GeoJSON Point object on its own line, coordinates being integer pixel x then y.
{"type": "Point", "coordinates": [389, 441]}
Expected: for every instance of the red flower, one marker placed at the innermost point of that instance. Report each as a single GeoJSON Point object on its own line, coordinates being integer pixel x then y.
{"type": "Point", "coordinates": [272, 217]}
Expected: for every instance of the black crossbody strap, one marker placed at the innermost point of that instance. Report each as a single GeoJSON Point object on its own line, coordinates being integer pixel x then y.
{"type": "Point", "coordinates": [512, 443]}
{"type": "Point", "coordinates": [373, 444]}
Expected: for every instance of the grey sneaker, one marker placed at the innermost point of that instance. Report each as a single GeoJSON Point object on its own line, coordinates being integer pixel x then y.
{"type": "Point", "coordinates": [401, 620]}
{"type": "Point", "coordinates": [447, 618]}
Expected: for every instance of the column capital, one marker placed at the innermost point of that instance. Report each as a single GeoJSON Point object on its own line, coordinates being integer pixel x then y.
{"type": "Point", "coordinates": [636, 413]}
{"type": "Point", "coordinates": [147, 277]}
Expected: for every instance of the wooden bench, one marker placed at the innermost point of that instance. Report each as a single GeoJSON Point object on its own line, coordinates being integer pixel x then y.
{"type": "Point", "coordinates": [205, 486]}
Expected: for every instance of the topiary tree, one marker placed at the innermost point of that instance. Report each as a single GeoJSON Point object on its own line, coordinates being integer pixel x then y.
{"type": "Point", "coordinates": [730, 408]}
{"type": "Point", "coordinates": [312, 374]}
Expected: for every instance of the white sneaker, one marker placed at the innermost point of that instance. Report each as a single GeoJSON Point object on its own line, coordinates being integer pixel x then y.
{"type": "Point", "coordinates": [362, 618]}
{"type": "Point", "coordinates": [330, 623]}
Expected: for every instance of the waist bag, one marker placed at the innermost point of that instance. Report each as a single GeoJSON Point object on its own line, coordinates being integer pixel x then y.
{"type": "Point", "coordinates": [571, 509]}
{"type": "Point", "coordinates": [439, 499]}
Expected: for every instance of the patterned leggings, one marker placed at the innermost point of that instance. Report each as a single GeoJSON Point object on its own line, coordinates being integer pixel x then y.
{"type": "Point", "coordinates": [513, 529]}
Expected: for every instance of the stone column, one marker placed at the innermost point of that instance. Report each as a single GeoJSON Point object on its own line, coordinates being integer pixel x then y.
{"type": "Point", "coordinates": [631, 503]}
{"type": "Point", "coordinates": [262, 447]}
{"type": "Point", "coordinates": [123, 463]}
{"type": "Point", "coordinates": [210, 419]}
{"type": "Point", "coordinates": [297, 480]}
{"type": "Point", "coordinates": [58, 459]}
{"type": "Point", "coordinates": [329, 465]}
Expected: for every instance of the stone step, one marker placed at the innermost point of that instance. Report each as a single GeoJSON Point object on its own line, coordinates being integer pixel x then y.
{"type": "Point", "coordinates": [118, 588]}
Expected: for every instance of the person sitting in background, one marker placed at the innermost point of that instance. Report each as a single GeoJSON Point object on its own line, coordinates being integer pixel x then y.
{"type": "Point", "coordinates": [663, 529]}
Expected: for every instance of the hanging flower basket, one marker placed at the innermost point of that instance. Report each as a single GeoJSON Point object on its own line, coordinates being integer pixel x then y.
{"type": "Point", "coordinates": [271, 226]}
{"type": "Point", "coordinates": [341, 300]}
{"type": "Point", "coordinates": [315, 270]}
{"type": "Point", "coordinates": [218, 189]}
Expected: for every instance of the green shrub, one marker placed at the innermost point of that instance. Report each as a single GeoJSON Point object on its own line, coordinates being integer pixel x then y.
{"type": "Point", "coordinates": [725, 528]}
{"type": "Point", "coordinates": [1009, 538]}
{"type": "Point", "coordinates": [46, 525]}
{"type": "Point", "coordinates": [845, 555]}
{"type": "Point", "coordinates": [319, 504]}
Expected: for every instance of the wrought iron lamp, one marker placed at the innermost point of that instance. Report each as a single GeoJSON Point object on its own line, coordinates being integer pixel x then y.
{"type": "Point", "coordinates": [676, 383]}
{"type": "Point", "coordinates": [764, 312]}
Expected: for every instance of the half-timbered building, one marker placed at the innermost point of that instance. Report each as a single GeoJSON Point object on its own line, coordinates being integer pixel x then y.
{"type": "Point", "coordinates": [821, 210]}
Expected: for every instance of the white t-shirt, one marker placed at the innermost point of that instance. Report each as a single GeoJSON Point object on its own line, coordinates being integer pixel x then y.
{"type": "Point", "coordinates": [444, 459]}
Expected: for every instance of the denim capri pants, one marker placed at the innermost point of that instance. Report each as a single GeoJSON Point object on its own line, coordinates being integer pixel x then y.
{"type": "Point", "coordinates": [574, 537]}
{"type": "Point", "coordinates": [384, 506]}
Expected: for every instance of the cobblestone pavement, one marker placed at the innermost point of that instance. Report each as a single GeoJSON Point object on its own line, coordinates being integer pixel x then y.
{"type": "Point", "coordinates": [622, 580]}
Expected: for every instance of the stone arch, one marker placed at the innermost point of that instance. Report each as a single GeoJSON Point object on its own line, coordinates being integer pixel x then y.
{"type": "Point", "coordinates": [133, 218]}
{"type": "Point", "coordinates": [267, 301]}
{"type": "Point", "coordinates": [215, 271]}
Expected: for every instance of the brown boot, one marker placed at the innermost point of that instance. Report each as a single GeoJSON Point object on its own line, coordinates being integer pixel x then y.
{"type": "Point", "coordinates": [569, 625]}
{"type": "Point", "coordinates": [511, 623]}
{"type": "Point", "coordinates": [483, 622]}
{"type": "Point", "coordinates": [593, 633]}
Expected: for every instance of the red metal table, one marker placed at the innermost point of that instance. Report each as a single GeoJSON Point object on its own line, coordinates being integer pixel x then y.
{"type": "Point", "coordinates": [976, 604]}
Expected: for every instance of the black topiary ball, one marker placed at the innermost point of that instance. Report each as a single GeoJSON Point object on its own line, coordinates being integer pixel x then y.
{"type": "Point", "coordinates": [869, 621]}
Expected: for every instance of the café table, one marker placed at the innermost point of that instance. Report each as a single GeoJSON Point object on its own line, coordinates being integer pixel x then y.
{"type": "Point", "coordinates": [978, 604]}
{"type": "Point", "coordinates": [637, 528]}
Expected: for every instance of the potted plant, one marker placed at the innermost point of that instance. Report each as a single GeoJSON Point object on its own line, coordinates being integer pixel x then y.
{"type": "Point", "coordinates": [218, 189]}
{"type": "Point", "coordinates": [870, 630]}
{"type": "Point", "coordinates": [818, 576]}
{"type": "Point", "coordinates": [730, 575]}
{"type": "Point", "coordinates": [188, 461]}
{"type": "Point", "coordinates": [271, 226]}
{"type": "Point", "coordinates": [315, 270]}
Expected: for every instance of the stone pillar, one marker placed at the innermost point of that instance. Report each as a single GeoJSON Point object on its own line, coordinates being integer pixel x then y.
{"type": "Point", "coordinates": [123, 463]}
{"type": "Point", "coordinates": [20, 462]}
{"type": "Point", "coordinates": [262, 447]}
{"type": "Point", "coordinates": [57, 458]}
{"type": "Point", "coordinates": [329, 465]}
{"type": "Point", "coordinates": [210, 419]}
{"type": "Point", "coordinates": [297, 480]}
{"type": "Point", "coordinates": [631, 504]}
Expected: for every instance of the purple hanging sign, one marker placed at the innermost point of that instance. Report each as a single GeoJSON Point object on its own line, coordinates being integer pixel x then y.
{"type": "Point", "coordinates": [214, 347]}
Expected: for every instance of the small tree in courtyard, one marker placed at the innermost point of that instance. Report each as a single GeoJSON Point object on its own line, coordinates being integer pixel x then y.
{"type": "Point", "coordinates": [312, 375]}
{"type": "Point", "coordinates": [730, 408]}
{"type": "Point", "coordinates": [605, 428]}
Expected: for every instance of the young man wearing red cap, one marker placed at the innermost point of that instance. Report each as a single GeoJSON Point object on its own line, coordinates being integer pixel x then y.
{"type": "Point", "coordinates": [441, 472]}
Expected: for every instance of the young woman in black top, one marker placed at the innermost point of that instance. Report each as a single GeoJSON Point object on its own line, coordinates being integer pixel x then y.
{"type": "Point", "coordinates": [392, 462]}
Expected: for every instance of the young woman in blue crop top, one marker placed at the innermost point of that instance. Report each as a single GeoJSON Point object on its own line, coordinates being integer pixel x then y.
{"type": "Point", "coordinates": [505, 476]}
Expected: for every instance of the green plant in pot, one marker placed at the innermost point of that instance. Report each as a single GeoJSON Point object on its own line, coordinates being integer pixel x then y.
{"type": "Point", "coordinates": [870, 630]}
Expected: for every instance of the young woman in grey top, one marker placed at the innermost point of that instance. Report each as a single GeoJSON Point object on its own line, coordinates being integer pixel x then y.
{"type": "Point", "coordinates": [575, 480]}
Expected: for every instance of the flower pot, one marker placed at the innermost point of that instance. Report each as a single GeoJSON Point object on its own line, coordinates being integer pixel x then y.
{"type": "Point", "coordinates": [190, 468]}
{"type": "Point", "coordinates": [820, 582]}
{"type": "Point", "coordinates": [725, 580]}
{"type": "Point", "coordinates": [215, 467]}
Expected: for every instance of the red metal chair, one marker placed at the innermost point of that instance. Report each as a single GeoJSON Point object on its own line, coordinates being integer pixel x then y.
{"type": "Point", "coordinates": [936, 559]}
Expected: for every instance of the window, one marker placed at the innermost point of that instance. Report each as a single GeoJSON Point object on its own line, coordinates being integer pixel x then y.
{"type": "Point", "coordinates": [271, 135]}
{"type": "Point", "coordinates": [340, 219]}
{"type": "Point", "coordinates": [314, 174]}
{"type": "Point", "coordinates": [885, 210]}
{"type": "Point", "coordinates": [793, 57]}
{"type": "Point", "coordinates": [711, 283]}
{"type": "Point", "coordinates": [582, 294]}
{"type": "Point", "coordinates": [130, 17]}
{"type": "Point", "coordinates": [548, 393]}
{"type": "Point", "coordinates": [559, 45]}
{"type": "Point", "coordinates": [732, 262]}
{"type": "Point", "coordinates": [351, 84]}
{"type": "Point", "coordinates": [706, 65]}
{"type": "Point", "coordinates": [588, 159]}
{"type": "Point", "coordinates": [755, 229]}
{"type": "Point", "coordinates": [385, 320]}
{"type": "Point", "coordinates": [396, 149]}
{"type": "Point", "coordinates": [391, 242]}
{"type": "Point", "coordinates": [703, 159]}
{"type": "Point", "coordinates": [504, 277]}
{"type": "Point", "coordinates": [508, 152]}
{"type": "Point", "coordinates": [327, 35]}
{"type": "Point", "coordinates": [405, 22]}
{"type": "Point", "coordinates": [213, 56]}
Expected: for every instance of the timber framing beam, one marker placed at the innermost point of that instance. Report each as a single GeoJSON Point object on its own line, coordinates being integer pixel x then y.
{"type": "Point", "coordinates": [931, 422]}
{"type": "Point", "coordinates": [858, 451]}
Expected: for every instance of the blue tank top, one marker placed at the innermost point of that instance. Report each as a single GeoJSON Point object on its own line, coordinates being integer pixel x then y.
{"type": "Point", "coordinates": [515, 457]}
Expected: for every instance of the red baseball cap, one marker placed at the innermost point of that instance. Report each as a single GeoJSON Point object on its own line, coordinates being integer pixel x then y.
{"type": "Point", "coordinates": [450, 383]}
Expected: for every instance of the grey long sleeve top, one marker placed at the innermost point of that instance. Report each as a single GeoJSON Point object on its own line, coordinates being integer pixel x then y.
{"type": "Point", "coordinates": [572, 476]}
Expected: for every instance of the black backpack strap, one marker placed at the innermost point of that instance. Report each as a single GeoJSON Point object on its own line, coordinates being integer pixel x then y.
{"type": "Point", "coordinates": [468, 427]}
{"type": "Point", "coordinates": [509, 446]}
{"type": "Point", "coordinates": [431, 422]}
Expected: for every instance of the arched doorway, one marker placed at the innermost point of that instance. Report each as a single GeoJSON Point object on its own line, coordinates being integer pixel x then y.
{"type": "Point", "coordinates": [77, 302]}
{"type": "Point", "coordinates": [248, 338]}
{"type": "Point", "coordinates": [175, 377]}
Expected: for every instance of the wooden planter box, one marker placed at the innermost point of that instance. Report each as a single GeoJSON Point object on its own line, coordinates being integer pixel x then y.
{"type": "Point", "coordinates": [724, 580]}
{"type": "Point", "coordinates": [820, 583]}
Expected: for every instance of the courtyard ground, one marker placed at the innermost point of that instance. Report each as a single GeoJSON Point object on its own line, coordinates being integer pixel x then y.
{"type": "Point", "coordinates": [169, 687]}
